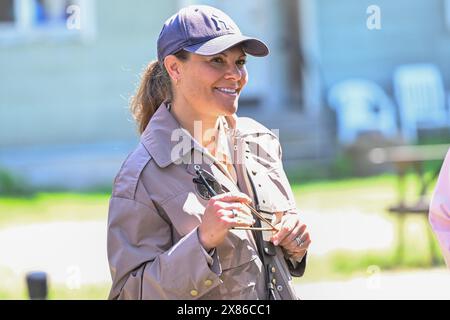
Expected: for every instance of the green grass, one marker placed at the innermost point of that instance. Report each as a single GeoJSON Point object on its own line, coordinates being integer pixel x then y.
{"type": "Point", "coordinates": [344, 265]}
{"type": "Point", "coordinates": [43, 207]}
{"type": "Point", "coordinates": [367, 195]}
{"type": "Point", "coordinates": [13, 287]}
{"type": "Point", "coordinates": [363, 193]}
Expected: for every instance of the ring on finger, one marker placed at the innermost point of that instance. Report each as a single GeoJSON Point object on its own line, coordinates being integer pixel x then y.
{"type": "Point", "coordinates": [299, 241]}
{"type": "Point", "coordinates": [234, 213]}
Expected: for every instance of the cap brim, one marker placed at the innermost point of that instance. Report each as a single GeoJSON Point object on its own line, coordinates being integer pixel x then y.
{"type": "Point", "coordinates": [250, 45]}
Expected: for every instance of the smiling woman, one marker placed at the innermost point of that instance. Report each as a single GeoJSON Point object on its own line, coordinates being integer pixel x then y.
{"type": "Point", "coordinates": [181, 220]}
{"type": "Point", "coordinates": [207, 86]}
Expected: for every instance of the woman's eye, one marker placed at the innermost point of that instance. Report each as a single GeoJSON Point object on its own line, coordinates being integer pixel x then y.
{"type": "Point", "coordinates": [218, 60]}
{"type": "Point", "coordinates": [241, 62]}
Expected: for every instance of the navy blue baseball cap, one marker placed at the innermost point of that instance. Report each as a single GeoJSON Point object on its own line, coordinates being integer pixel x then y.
{"type": "Point", "coordinates": [206, 31]}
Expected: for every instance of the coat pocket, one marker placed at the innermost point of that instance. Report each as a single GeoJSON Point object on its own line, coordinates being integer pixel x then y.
{"type": "Point", "coordinates": [185, 211]}
{"type": "Point", "coordinates": [241, 266]}
{"type": "Point", "coordinates": [132, 289]}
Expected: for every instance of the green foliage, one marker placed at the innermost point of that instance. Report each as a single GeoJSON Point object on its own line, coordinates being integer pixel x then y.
{"type": "Point", "coordinates": [307, 172]}
{"type": "Point", "coordinates": [434, 136]}
{"type": "Point", "coordinates": [12, 185]}
{"type": "Point", "coordinates": [341, 167]}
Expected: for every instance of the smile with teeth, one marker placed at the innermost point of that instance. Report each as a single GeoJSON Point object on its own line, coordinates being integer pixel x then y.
{"type": "Point", "coordinates": [228, 91]}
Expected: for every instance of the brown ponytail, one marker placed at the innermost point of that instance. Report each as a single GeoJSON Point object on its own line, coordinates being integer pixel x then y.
{"type": "Point", "coordinates": [154, 89]}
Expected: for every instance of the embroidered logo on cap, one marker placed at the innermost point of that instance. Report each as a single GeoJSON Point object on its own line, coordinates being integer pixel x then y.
{"type": "Point", "coordinates": [217, 23]}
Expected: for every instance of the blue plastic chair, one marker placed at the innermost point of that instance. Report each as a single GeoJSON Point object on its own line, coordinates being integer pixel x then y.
{"type": "Point", "coordinates": [362, 106]}
{"type": "Point", "coordinates": [420, 94]}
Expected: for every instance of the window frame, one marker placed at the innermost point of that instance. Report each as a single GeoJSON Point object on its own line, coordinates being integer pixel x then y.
{"type": "Point", "coordinates": [22, 29]}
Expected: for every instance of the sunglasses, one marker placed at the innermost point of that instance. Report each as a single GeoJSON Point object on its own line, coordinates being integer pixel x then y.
{"type": "Point", "coordinates": [212, 188]}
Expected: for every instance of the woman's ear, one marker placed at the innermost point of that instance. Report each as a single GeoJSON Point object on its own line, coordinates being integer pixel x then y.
{"type": "Point", "coordinates": [173, 67]}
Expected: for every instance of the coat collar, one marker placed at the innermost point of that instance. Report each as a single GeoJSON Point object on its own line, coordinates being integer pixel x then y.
{"type": "Point", "coordinates": [163, 134]}
{"type": "Point", "coordinates": [167, 142]}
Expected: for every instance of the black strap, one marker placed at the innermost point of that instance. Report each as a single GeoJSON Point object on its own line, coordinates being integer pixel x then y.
{"type": "Point", "coordinates": [258, 235]}
{"type": "Point", "coordinates": [260, 246]}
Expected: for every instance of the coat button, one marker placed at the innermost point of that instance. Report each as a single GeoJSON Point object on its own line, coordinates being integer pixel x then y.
{"type": "Point", "coordinates": [274, 281]}
{"type": "Point", "coordinates": [194, 293]}
{"type": "Point", "coordinates": [279, 287]}
{"type": "Point", "coordinates": [208, 283]}
{"type": "Point", "coordinates": [273, 269]}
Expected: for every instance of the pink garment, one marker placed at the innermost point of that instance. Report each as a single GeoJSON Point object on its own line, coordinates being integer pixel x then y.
{"type": "Point", "coordinates": [440, 209]}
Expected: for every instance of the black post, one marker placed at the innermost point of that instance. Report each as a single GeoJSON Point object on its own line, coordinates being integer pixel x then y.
{"type": "Point", "coordinates": [37, 285]}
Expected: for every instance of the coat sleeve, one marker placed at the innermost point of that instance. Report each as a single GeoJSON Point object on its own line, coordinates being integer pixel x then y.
{"type": "Point", "coordinates": [144, 262]}
{"type": "Point", "coordinates": [439, 215]}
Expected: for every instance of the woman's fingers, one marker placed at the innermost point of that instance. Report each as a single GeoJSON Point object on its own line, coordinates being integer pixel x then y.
{"type": "Point", "coordinates": [239, 222]}
{"type": "Point", "coordinates": [238, 211]}
{"type": "Point", "coordinates": [232, 197]}
{"type": "Point", "coordinates": [298, 248]}
{"type": "Point", "coordinates": [292, 236]}
{"type": "Point", "coordinates": [232, 221]}
{"type": "Point", "coordinates": [297, 232]}
{"type": "Point", "coordinates": [222, 213]}
{"type": "Point", "coordinates": [237, 207]}
{"type": "Point", "coordinates": [286, 226]}
{"type": "Point", "coordinates": [235, 214]}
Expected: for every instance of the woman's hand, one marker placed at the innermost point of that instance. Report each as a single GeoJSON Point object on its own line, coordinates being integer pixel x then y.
{"type": "Point", "coordinates": [291, 228]}
{"type": "Point", "coordinates": [220, 216]}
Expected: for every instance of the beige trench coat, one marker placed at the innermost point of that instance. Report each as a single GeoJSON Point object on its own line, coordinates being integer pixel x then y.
{"type": "Point", "coordinates": [155, 209]}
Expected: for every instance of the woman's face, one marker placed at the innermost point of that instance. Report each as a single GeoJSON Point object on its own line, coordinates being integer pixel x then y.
{"type": "Point", "coordinates": [210, 85]}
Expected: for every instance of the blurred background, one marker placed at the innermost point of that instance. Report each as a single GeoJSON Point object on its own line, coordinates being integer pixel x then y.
{"type": "Point", "coordinates": [359, 91]}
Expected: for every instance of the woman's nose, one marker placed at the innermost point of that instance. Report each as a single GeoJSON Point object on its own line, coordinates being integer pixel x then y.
{"type": "Point", "coordinates": [234, 73]}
